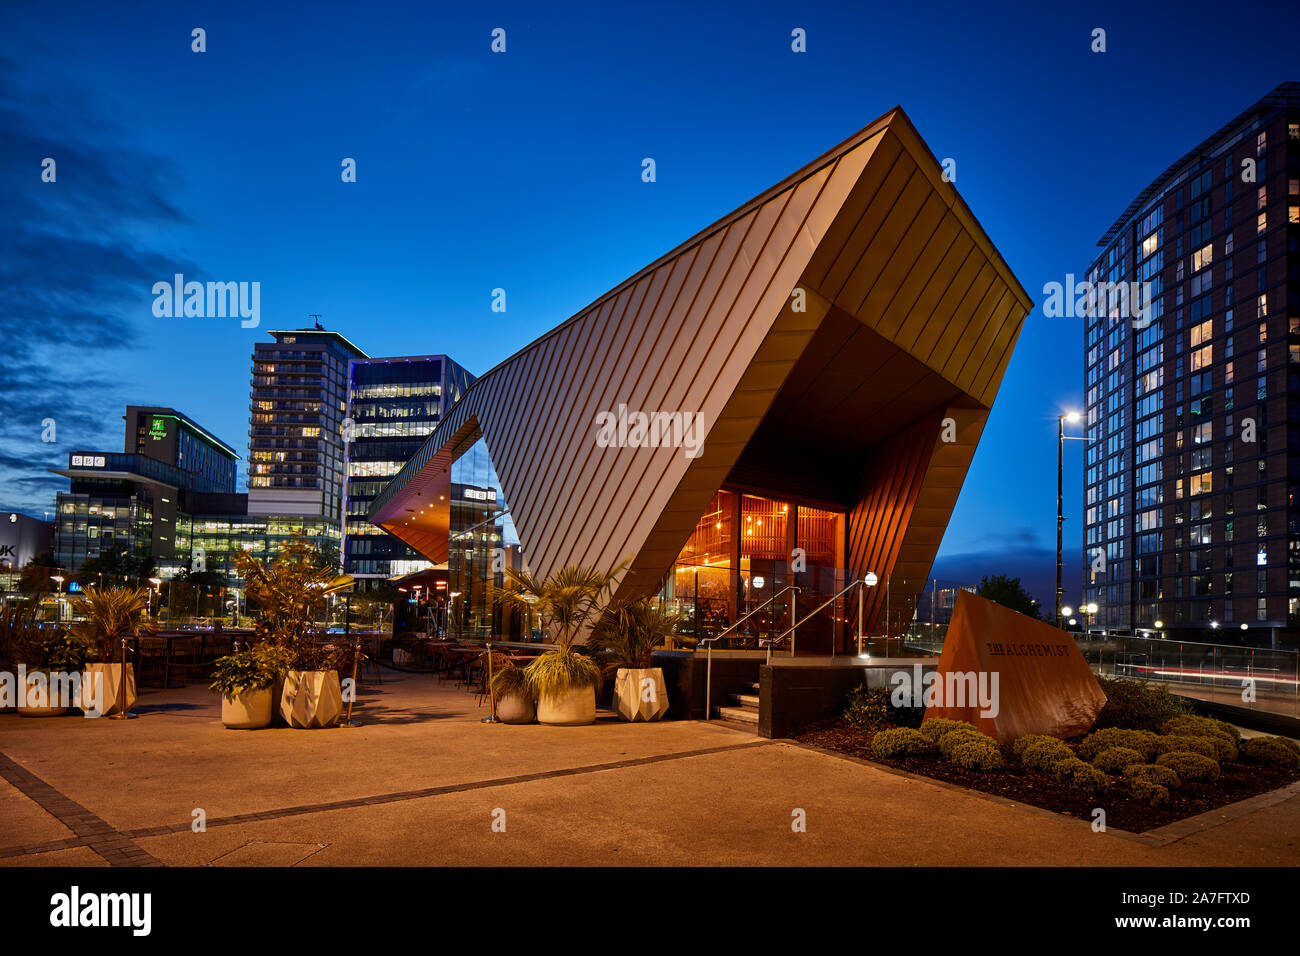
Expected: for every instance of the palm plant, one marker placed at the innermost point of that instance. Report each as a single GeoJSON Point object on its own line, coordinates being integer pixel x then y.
{"type": "Point", "coordinates": [110, 614]}
{"type": "Point", "coordinates": [566, 602]}
{"type": "Point", "coordinates": [24, 641]}
{"type": "Point", "coordinates": [290, 594]}
{"type": "Point", "coordinates": [631, 631]}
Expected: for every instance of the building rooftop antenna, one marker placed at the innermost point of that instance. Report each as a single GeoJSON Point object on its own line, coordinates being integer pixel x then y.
{"type": "Point", "coordinates": [315, 316]}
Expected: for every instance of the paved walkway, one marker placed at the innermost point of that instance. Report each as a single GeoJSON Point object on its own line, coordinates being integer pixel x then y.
{"type": "Point", "coordinates": [423, 782]}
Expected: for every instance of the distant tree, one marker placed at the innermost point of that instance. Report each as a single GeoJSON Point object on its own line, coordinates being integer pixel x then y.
{"type": "Point", "coordinates": [115, 564]}
{"type": "Point", "coordinates": [1008, 592]}
{"type": "Point", "coordinates": [327, 554]}
{"type": "Point", "coordinates": [35, 578]}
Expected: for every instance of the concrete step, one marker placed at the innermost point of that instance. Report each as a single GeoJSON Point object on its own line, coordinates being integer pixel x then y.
{"type": "Point", "coordinates": [741, 714]}
{"type": "Point", "coordinates": [747, 700]}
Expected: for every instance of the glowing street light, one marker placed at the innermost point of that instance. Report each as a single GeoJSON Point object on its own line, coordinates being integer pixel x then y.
{"type": "Point", "coordinates": [1072, 417]}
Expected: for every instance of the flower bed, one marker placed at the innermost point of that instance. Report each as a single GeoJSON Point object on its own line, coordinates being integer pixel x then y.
{"type": "Point", "coordinates": [1125, 771]}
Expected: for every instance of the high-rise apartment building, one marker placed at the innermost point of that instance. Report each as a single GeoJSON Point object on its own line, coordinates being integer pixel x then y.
{"type": "Point", "coordinates": [394, 403]}
{"type": "Point", "coordinates": [295, 438]}
{"type": "Point", "coordinates": [1192, 387]}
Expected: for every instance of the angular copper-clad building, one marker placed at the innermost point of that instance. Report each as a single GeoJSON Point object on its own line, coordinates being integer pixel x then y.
{"type": "Point", "coordinates": [837, 342]}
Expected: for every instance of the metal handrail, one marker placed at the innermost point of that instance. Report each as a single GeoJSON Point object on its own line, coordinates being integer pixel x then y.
{"type": "Point", "coordinates": [771, 600]}
{"type": "Point", "coordinates": [795, 625]}
{"type": "Point", "coordinates": [710, 641]}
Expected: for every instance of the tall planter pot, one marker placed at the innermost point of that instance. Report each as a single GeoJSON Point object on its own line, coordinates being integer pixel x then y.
{"type": "Point", "coordinates": [248, 710]}
{"type": "Point", "coordinates": [103, 684]}
{"type": "Point", "coordinates": [640, 693]}
{"type": "Point", "coordinates": [29, 692]}
{"type": "Point", "coordinates": [515, 708]}
{"type": "Point", "coordinates": [572, 708]}
{"type": "Point", "coordinates": [311, 699]}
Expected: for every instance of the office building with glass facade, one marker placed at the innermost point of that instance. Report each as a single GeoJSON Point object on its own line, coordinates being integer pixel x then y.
{"type": "Point", "coordinates": [791, 398]}
{"type": "Point", "coordinates": [1192, 463]}
{"type": "Point", "coordinates": [295, 437]}
{"type": "Point", "coordinates": [171, 504]}
{"type": "Point", "coordinates": [393, 405]}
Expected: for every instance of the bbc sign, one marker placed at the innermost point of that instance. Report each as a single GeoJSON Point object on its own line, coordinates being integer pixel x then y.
{"type": "Point", "coordinates": [87, 461]}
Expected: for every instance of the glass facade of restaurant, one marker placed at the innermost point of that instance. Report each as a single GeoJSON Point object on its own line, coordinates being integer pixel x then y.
{"type": "Point", "coordinates": [744, 551]}
{"type": "Point", "coordinates": [483, 543]}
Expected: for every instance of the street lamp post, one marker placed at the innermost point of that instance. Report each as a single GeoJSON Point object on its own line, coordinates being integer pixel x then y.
{"type": "Point", "coordinates": [58, 591]}
{"type": "Point", "coordinates": [1060, 496]}
{"type": "Point", "coordinates": [1091, 611]}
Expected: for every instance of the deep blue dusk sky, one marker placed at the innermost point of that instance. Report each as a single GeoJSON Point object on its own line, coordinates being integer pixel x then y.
{"type": "Point", "coordinates": [522, 171]}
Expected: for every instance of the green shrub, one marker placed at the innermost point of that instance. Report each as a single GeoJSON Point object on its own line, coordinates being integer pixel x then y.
{"type": "Point", "coordinates": [975, 752]}
{"type": "Point", "coordinates": [1143, 741]}
{"type": "Point", "coordinates": [1189, 725]}
{"type": "Point", "coordinates": [1116, 759]}
{"type": "Point", "coordinates": [1191, 767]}
{"type": "Point", "coordinates": [872, 707]}
{"type": "Point", "coordinates": [901, 742]}
{"type": "Point", "coordinates": [255, 668]}
{"type": "Point", "coordinates": [937, 728]}
{"type": "Point", "coordinates": [1194, 745]}
{"type": "Point", "coordinates": [1137, 705]}
{"type": "Point", "coordinates": [1045, 754]}
{"type": "Point", "coordinates": [1150, 793]}
{"type": "Point", "coordinates": [1020, 743]}
{"type": "Point", "coordinates": [1153, 773]}
{"type": "Point", "coordinates": [955, 737]}
{"type": "Point", "coordinates": [1081, 776]}
{"type": "Point", "coordinates": [1274, 750]}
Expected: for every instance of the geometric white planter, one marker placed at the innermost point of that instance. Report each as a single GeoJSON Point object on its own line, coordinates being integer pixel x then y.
{"type": "Point", "coordinates": [311, 699]}
{"type": "Point", "coordinates": [248, 710]}
{"type": "Point", "coordinates": [572, 708]}
{"type": "Point", "coordinates": [516, 708]}
{"type": "Point", "coordinates": [640, 693]}
{"type": "Point", "coordinates": [102, 683]}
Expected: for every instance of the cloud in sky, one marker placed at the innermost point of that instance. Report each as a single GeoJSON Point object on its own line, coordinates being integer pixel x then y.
{"type": "Point", "coordinates": [1016, 553]}
{"type": "Point", "coordinates": [77, 259]}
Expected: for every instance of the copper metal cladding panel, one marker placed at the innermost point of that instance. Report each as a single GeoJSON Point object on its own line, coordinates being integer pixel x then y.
{"type": "Point", "coordinates": [908, 316]}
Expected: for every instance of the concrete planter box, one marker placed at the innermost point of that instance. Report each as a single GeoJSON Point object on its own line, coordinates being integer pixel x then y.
{"type": "Point", "coordinates": [106, 679]}
{"type": "Point", "coordinates": [640, 693]}
{"type": "Point", "coordinates": [311, 699]}
{"type": "Point", "coordinates": [570, 709]}
{"type": "Point", "coordinates": [248, 710]}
